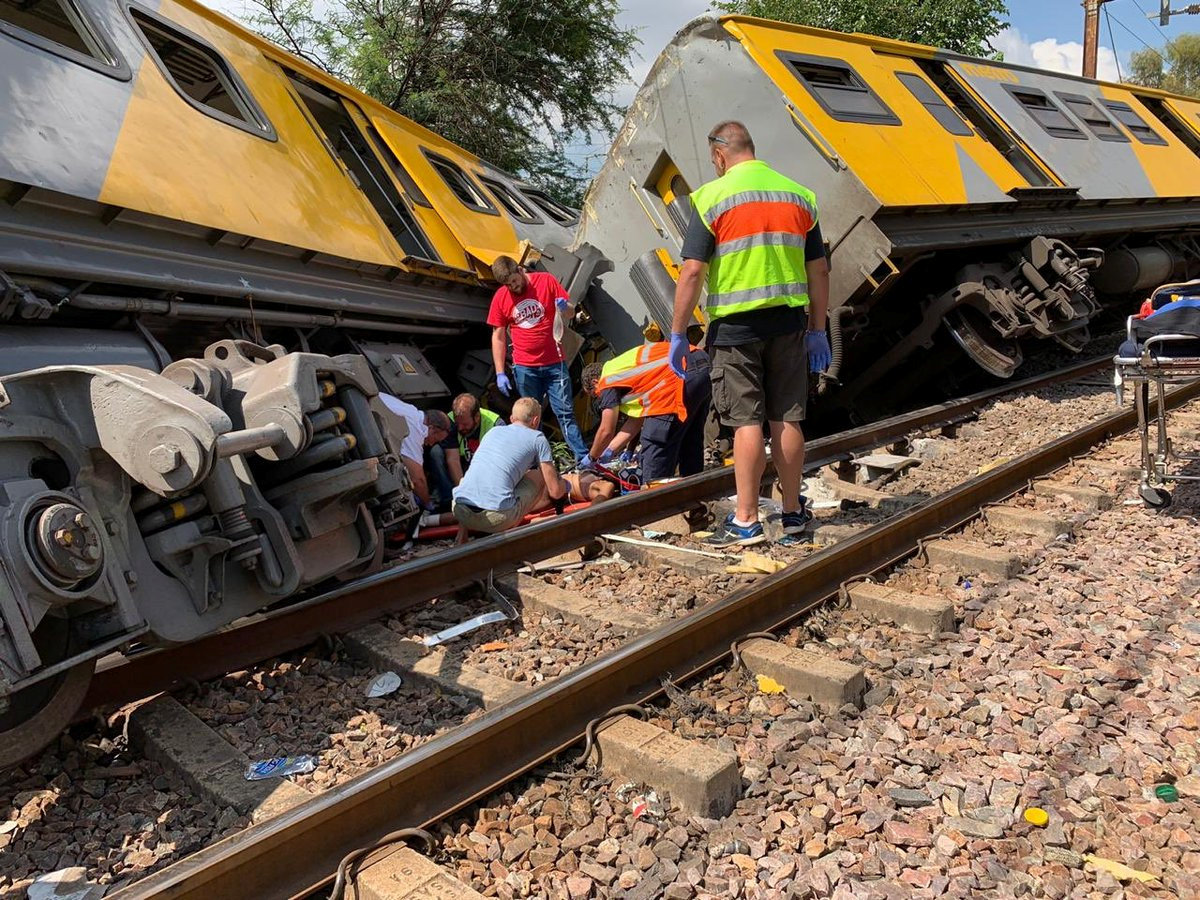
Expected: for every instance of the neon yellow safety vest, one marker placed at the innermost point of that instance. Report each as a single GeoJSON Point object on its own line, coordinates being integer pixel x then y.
{"type": "Point", "coordinates": [760, 220]}
{"type": "Point", "coordinates": [487, 419]}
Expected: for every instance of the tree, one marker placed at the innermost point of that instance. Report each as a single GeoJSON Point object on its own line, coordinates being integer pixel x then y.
{"type": "Point", "coordinates": [513, 81]}
{"type": "Point", "coordinates": [1175, 68]}
{"type": "Point", "coordinates": [964, 26]}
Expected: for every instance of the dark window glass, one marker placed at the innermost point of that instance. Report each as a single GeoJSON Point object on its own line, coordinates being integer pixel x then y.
{"type": "Point", "coordinates": [1137, 126]}
{"type": "Point", "coordinates": [1047, 113]}
{"type": "Point", "coordinates": [947, 116]}
{"type": "Point", "coordinates": [415, 194]}
{"type": "Point", "coordinates": [460, 184]}
{"type": "Point", "coordinates": [839, 90]}
{"type": "Point", "coordinates": [515, 205]}
{"type": "Point", "coordinates": [199, 73]}
{"type": "Point", "coordinates": [55, 21]}
{"type": "Point", "coordinates": [552, 208]}
{"type": "Point", "coordinates": [1094, 118]}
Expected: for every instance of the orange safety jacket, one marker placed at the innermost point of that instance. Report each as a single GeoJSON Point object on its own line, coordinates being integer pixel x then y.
{"type": "Point", "coordinates": [654, 390]}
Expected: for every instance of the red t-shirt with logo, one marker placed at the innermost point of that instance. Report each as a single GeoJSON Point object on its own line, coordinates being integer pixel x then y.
{"type": "Point", "coordinates": [530, 319]}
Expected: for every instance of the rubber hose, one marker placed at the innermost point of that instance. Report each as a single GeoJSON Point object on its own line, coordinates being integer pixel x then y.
{"type": "Point", "coordinates": [836, 350]}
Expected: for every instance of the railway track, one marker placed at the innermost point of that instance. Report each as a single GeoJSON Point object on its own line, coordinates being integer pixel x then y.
{"type": "Point", "coordinates": [124, 679]}
{"type": "Point", "coordinates": [293, 854]}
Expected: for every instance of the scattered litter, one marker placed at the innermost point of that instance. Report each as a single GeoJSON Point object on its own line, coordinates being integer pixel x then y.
{"type": "Point", "coordinates": [652, 534]}
{"type": "Point", "coordinates": [769, 685]}
{"type": "Point", "coordinates": [621, 539]}
{"type": "Point", "coordinates": [966, 585]}
{"type": "Point", "coordinates": [994, 464]}
{"type": "Point", "coordinates": [492, 646]}
{"type": "Point", "coordinates": [280, 767]}
{"type": "Point", "coordinates": [1037, 816]}
{"type": "Point", "coordinates": [1167, 793]}
{"type": "Point", "coordinates": [454, 631]}
{"type": "Point", "coordinates": [1117, 870]}
{"type": "Point", "coordinates": [642, 806]}
{"type": "Point", "coordinates": [382, 685]}
{"type": "Point", "coordinates": [756, 564]}
{"type": "Point", "coordinates": [701, 535]}
{"type": "Point", "coordinates": [65, 884]}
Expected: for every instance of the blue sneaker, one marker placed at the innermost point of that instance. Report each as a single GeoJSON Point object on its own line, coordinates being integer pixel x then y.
{"type": "Point", "coordinates": [796, 522]}
{"type": "Point", "coordinates": [729, 535]}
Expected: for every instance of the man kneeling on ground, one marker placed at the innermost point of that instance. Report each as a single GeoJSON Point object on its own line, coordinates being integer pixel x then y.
{"type": "Point", "coordinates": [511, 474]}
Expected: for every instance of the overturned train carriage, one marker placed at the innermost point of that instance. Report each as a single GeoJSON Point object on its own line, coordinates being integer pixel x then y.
{"type": "Point", "coordinates": [967, 205]}
{"type": "Point", "coordinates": [212, 258]}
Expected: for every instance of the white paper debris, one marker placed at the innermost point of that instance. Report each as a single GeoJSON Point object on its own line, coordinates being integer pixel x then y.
{"type": "Point", "coordinates": [382, 685]}
{"type": "Point", "coordinates": [65, 884]}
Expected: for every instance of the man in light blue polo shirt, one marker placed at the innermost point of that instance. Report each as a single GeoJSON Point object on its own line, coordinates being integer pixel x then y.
{"type": "Point", "coordinates": [511, 474]}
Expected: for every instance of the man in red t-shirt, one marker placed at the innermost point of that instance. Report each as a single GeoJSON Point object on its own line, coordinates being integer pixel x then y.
{"type": "Point", "coordinates": [524, 307]}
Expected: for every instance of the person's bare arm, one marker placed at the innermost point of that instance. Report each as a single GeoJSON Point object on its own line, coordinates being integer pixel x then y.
{"type": "Point", "coordinates": [687, 294]}
{"type": "Point", "coordinates": [555, 486]}
{"type": "Point", "coordinates": [499, 347]}
{"type": "Point", "coordinates": [626, 436]}
{"type": "Point", "coordinates": [818, 292]}
{"type": "Point", "coordinates": [605, 431]}
{"type": "Point", "coordinates": [454, 466]}
{"type": "Point", "coordinates": [416, 474]}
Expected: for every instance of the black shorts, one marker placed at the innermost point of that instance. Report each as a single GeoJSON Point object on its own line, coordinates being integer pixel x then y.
{"type": "Point", "coordinates": [761, 381]}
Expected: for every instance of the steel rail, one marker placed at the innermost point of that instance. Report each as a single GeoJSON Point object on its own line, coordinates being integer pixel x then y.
{"type": "Point", "coordinates": [287, 628]}
{"type": "Point", "coordinates": [294, 854]}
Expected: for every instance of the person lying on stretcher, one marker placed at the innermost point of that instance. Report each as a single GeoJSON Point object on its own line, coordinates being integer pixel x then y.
{"type": "Point", "coordinates": [1170, 309]}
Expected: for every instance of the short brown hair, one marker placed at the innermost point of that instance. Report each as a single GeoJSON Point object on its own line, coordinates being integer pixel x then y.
{"type": "Point", "coordinates": [504, 268]}
{"type": "Point", "coordinates": [465, 405]}
{"type": "Point", "coordinates": [525, 410]}
{"type": "Point", "coordinates": [590, 375]}
{"type": "Point", "coordinates": [734, 135]}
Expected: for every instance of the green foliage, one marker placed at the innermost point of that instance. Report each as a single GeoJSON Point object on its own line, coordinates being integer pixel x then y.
{"type": "Point", "coordinates": [964, 26]}
{"type": "Point", "coordinates": [1180, 72]}
{"type": "Point", "coordinates": [514, 81]}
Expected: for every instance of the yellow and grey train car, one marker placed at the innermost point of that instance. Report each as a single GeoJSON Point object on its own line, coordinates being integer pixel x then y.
{"type": "Point", "coordinates": [203, 241]}
{"type": "Point", "coordinates": [973, 203]}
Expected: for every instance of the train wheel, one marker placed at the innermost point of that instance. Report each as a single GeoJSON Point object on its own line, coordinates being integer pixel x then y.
{"type": "Point", "coordinates": [37, 715]}
{"type": "Point", "coordinates": [978, 339]}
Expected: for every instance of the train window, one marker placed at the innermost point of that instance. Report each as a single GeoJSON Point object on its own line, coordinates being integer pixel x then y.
{"type": "Point", "coordinates": [1137, 126]}
{"type": "Point", "coordinates": [54, 25]}
{"type": "Point", "coordinates": [551, 207]}
{"type": "Point", "coordinates": [1094, 118]}
{"type": "Point", "coordinates": [513, 203]}
{"type": "Point", "coordinates": [200, 74]}
{"type": "Point", "coordinates": [1046, 113]}
{"type": "Point", "coordinates": [411, 188]}
{"type": "Point", "coordinates": [839, 89]}
{"type": "Point", "coordinates": [948, 117]}
{"type": "Point", "coordinates": [461, 185]}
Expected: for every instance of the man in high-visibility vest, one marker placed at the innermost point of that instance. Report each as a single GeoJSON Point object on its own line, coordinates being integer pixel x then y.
{"type": "Point", "coordinates": [669, 413]}
{"type": "Point", "coordinates": [768, 290]}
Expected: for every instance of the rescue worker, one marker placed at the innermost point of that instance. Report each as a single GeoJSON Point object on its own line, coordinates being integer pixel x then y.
{"type": "Point", "coordinates": [513, 474]}
{"type": "Point", "coordinates": [524, 308]}
{"type": "Point", "coordinates": [669, 413]}
{"type": "Point", "coordinates": [425, 430]}
{"type": "Point", "coordinates": [471, 423]}
{"type": "Point", "coordinates": [756, 232]}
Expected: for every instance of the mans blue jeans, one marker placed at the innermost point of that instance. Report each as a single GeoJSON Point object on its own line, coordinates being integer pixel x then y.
{"type": "Point", "coordinates": [555, 380]}
{"type": "Point", "coordinates": [438, 476]}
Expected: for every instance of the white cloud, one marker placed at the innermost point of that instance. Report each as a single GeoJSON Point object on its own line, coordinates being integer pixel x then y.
{"type": "Point", "coordinates": [1053, 55]}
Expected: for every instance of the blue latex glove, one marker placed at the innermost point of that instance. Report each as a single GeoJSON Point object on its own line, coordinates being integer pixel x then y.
{"type": "Point", "coordinates": [505, 385]}
{"type": "Point", "coordinates": [606, 456]}
{"type": "Point", "coordinates": [679, 349]}
{"type": "Point", "coordinates": [816, 345]}
{"type": "Point", "coordinates": [562, 304]}
{"type": "Point", "coordinates": [586, 462]}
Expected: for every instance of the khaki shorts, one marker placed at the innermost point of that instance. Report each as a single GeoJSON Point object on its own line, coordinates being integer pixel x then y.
{"type": "Point", "coordinates": [761, 381]}
{"type": "Point", "coordinates": [491, 521]}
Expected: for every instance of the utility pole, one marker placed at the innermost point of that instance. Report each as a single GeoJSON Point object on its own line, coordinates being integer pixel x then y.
{"type": "Point", "coordinates": [1165, 12]}
{"type": "Point", "coordinates": [1091, 35]}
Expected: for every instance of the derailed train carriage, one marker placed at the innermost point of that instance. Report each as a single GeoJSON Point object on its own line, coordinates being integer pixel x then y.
{"type": "Point", "coordinates": [969, 207]}
{"type": "Point", "coordinates": [212, 258]}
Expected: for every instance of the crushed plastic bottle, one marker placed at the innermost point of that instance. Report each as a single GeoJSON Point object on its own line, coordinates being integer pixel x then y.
{"type": "Point", "coordinates": [280, 767]}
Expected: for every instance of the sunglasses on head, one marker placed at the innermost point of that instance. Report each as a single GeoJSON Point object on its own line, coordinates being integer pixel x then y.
{"type": "Point", "coordinates": [713, 139]}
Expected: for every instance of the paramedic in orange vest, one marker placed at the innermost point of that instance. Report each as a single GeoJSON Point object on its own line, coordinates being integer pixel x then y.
{"type": "Point", "coordinates": [756, 232]}
{"type": "Point", "coordinates": [670, 413]}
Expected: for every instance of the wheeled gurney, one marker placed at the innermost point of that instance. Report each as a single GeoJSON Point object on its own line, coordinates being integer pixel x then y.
{"type": "Point", "coordinates": [1161, 348]}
